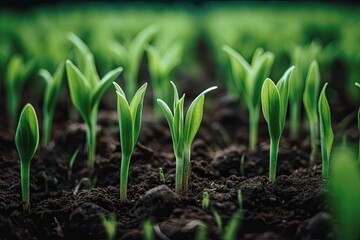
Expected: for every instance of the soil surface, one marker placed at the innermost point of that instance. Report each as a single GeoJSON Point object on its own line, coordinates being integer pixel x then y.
{"type": "Point", "coordinates": [292, 207]}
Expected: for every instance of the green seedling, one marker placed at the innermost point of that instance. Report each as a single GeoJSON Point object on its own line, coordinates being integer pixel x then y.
{"type": "Point", "coordinates": [201, 232]}
{"type": "Point", "coordinates": [52, 90]}
{"type": "Point", "coordinates": [46, 181]}
{"type": "Point", "coordinates": [17, 73]}
{"type": "Point", "coordinates": [148, 228]}
{"type": "Point", "coordinates": [205, 200]}
{"type": "Point", "coordinates": [274, 101]}
{"type": "Point", "coordinates": [301, 58]}
{"type": "Point", "coordinates": [242, 162]}
{"type": "Point", "coordinates": [110, 225]}
{"type": "Point", "coordinates": [71, 163]}
{"type": "Point", "coordinates": [218, 220]}
{"type": "Point", "coordinates": [310, 99]}
{"type": "Point", "coordinates": [249, 79]}
{"type": "Point", "coordinates": [86, 94]}
{"type": "Point", "coordinates": [326, 133]}
{"type": "Point", "coordinates": [358, 120]}
{"type": "Point", "coordinates": [161, 176]}
{"type": "Point", "coordinates": [160, 69]}
{"type": "Point", "coordinates": [130, 58]}
{"type": "Point", "coordinates": [345, 193]}
{"type": "Point", "coordinates": [129, 124]}
{"type": "Point", "coordinates": [183, 130]}
{"type": "Point", "coordinates": [26, 142]}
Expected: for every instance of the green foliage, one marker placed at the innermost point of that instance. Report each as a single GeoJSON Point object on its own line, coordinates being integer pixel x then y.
{"type": "Point", "coordinates": [249, 79]}
{"type": "Point", "coordinates": [160, 69]}
{"type": "Point", "coordinates": [161, 176]}
{"type": "Point", "coordinates": [17, 72]}
{"type": "Point", "coordinates": [358, 120]}
{"type": "Point", "coordinates": [345, 193]}
{"type": "Point", "coordinates": [71, 163]}
{"type": "Point", "coordinates": [183, 130]}
{"type": "Point", "coordinates": [274, 100]}
{"type": "Point", "coordinates": [130, 57]}
{"type": "Point", "coordinates": [148, 228]}
{"type": "Point", "coordinates": [201, 232]}
{"type": "Point", "coordinates": [205, 200]}
{"type": "Point", "coordinates": [26, 142]}
{"type": "Point", "coordinates": [326, 133]}
{"type": "Point", "coordinates": [52, 90]}
{"type": "Point", "coordinates": [86, 93]}
{"type": "Point", "coordinates": [310, 99]}
{"type": "Point", "coordinates": [110, 225]}
{"type": "Point", "coordinates": [129, 124]}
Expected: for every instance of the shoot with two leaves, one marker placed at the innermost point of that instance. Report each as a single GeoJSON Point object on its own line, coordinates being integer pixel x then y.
{"type": "Point", "coordinates": [129, 124]}
{"type": "Point", "coordinates": [110, 225]}
{"type": "Point", "coordinates": [183, 129]}
{"type": "Point", "coordinates": [27, 142]}
{"type": "Point", "coordinates": [274, 101]}
{"type": "Point", "coordinates": [249, 79]}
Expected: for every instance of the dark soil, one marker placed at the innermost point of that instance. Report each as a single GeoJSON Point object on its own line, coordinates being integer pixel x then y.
{"type": "Point", "coordinates": [292, 207]}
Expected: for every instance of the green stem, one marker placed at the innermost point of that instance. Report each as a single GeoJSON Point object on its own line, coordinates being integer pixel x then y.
{"type": "Point", "coordinates": [13, 106]}
{"type": "Point", "coordinates": [130, 84]}
{"type": "Point", "coordinates": [186, 171]}
{"type": "Point", "coordinates": [313, 136]}
{"type": "Point", "coordinates": [274, 149]}
{"type": "Point", "coordinates": [25, 186]}
{"type": "Point", "coordinates": [179, 174]}
{"type": "Point", "coordinates": [91, 141]}
{"type": "Point", "coordinates": [253, 127]}
{"type": "Point", "coordinates": [47, 128]}
{"type": "Point", "coordinates": [294, 120]}
{"type": "Point", "coordinates": [359, 153]}
{"type": "Point", "coordinates": [124, 174]}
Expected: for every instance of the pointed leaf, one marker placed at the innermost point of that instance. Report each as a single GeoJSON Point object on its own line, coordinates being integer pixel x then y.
{"type": "Point", "coordinates": [176, 95]}
{"type": "Point", "coordinates": [125, 125]}
{"type": "Point", "coordinates": [270, 102]}
{"type": "Point", "coordinates": [27, 134]}
{"type": "Point", "coordinates": [168, 115]}
{"type": "Point", "coordinates": [311, 91]}
{"type": "Point", "coordinates": [257, 53]}
{"type": "Point", "coordinates": [283, 88]}
{"type": "Point", "coordinates": [179, 123]}
{"type": "Point", "coordinates": [53, 86]}
{"type": "Point", "coordinates": [136, 107]}
{"type": "Point", "coordinates": [119, 89]}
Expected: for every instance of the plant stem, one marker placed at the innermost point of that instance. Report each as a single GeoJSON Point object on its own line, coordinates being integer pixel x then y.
{"type": "Point", "coordinates": [186, 172]}
{"type": "Point", "coordinates": [294, 120]}
{"type": "Point", "coordinates": [274, 148]}
{"type": "Point", "coordinates": [179, 174]}
{"type": "Point", "coordinates": [254, 125]}
{"type": "Point", "coordinates": [313, 135]}
{"type": "Point", "coordinates": [124, 174]}
{"type": "Point", "coordinates": [47, 128]}
{"type": "Point", "coordinates": [91, 141]}
{"type": "Point", "coordinates": [25, 187]}
{"type": "Point", "coordinates": [13, 105]}
{"type": "Point", "coordinates": [130, 84]}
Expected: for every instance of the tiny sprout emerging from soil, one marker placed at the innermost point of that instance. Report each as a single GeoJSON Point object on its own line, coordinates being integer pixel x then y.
{"type": "Point", "coordinates": [183, 130]}
{"type": "Point", "coordinates": [160, 69]}
{"type": "Point", "coordinates": [326, 133]}
{"type": "Point", "coordinates": [201, 232]}
{"type": "Point", "coordinates": [161, 176]}
{"type": "Point", "coordinates": [129, 124]}
{"type": "Point", "coordinates": [86, 94]}
{"type": "Point", "coordinates": [110, 225]}
{"type": "Point", "coordinates": [17, 73]}
{"type": "Point", "coordinates": [274, 100]}
{"type": "Point", "coordinates": [358, 120]}
{"type": "Point", "coordinates": [249, 79]}
{"type": "Point", "coordinates": [310, 98]}
{"type": "Point", "coordinates": [26, 141]}
{"type": "Point", "coordinates": [71, 163]}
{"type": "Point", "coordinates": [53, 87]}
{"type": "Point", "coordinates": [148, 230]}
{"type": "Point", "coordinates": [345, 193]}
{"type": "Point", "coordinates": [218, 220]}
{"type": "Point", "coordinates": [130, 58]}
{"type": "Point", "coordinates": [205, 200]}
{"type": "Point", "coordinates": [242, 161]}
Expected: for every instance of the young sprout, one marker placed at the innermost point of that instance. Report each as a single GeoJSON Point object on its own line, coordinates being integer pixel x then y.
{"type": "Point", "coordinates": [160, 69]}
{"type": "Point", "coordinates": [161, 176]}
{"type": "Point", "coordinates": [345, 193]}
{"type": "Point", "coordinates": [218, 220]}
{"type": "Point", "coordinates": [242, 162]}
{"type": "Point", "coordinates": [148, 230]}
{"type": "Point", "coordinates": [274, 101]}
{"type": "Point", "coordinates": [249, 79]}
{"type": "Point", "coordinates": [130, 58]}
{"type": "Point", "coordinates": [310, 98]}
{"type": "Point", "coordinates": [205, 200]}
{"type": "Point", "coordinates": [26, 142]}
{"type": "Point", "coordinates": [201, 232]}
{"type": "Point", "coordinates": [301, 58]}
{"type": "Point", "coordinates": [129, 124]}
{"type": "Point", "coordinates": [110, 225]}
{"type": "Point", "coordinates": [358, 120]}
{"type": "Point", "coordinates": [85, 94]}
{"type": "Point", "coordinates": [17, 73]}
{"type": "Point", "coordinates": [183, 130]}
{"type": "Point", "coordinates": [53, 86]}
{"type": "Point", "coordinates": [71, 163]}
{"type": "Point", "coordinates": [326, 133]}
